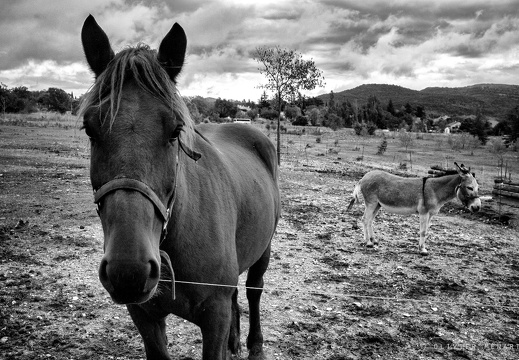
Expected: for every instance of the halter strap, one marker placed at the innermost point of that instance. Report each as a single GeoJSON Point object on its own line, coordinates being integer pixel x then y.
{"type": "Point", "coordinates": [144, 189]}
{"type": "Point", "coordinates": [423, 186]}
{"type": "Point", "coordinates": [135, 185]}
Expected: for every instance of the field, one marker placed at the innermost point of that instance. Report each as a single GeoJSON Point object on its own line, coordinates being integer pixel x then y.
{"type": "Point", "coordinates": [327, 296]}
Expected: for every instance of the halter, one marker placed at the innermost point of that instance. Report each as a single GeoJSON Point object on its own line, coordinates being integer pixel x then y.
{"type": "Point", "coordinates": [466, 197]}
{"type": "Point", "coordinates": [144, 189]}
{"type": "Point", "coordinates": [164, 210]}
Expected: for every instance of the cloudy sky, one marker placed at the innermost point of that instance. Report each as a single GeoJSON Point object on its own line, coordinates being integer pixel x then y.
{"type": "Point", "coordinates": [411, 43]}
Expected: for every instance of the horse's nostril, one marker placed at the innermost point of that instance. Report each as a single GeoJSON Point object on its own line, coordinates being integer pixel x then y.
{"type": "Point", "coordinates": [154, 270]}
{"type": "Point", "coordinates": [103, 275]}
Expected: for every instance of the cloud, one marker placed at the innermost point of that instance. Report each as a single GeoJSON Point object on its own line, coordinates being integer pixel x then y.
{"type": "Point", "coordinates": [411, 43]}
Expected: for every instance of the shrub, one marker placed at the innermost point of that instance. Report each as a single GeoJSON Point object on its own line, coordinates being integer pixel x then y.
{"type": "Point", "coordinates": [301, 121]}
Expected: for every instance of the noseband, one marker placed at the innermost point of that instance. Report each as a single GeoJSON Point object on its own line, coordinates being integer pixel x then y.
{"type": "Point", "coordinates": [139, 186]}
{"type": "Point", "coordinates": [144, 189]}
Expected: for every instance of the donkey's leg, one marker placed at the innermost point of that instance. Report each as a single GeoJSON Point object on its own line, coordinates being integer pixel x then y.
{"type": "Point", "coordinates": [214, 319]}
{"type": "Point", "coordinates": [370, 211]}
{"type": "Point", "coordinates": [425, 221]}
{"type": "Point", "coordinates": [234, 334]}
{"type": "Point", "coordinates": [255, 280]}
{"type": "Point", "coordinates": [153, 332]}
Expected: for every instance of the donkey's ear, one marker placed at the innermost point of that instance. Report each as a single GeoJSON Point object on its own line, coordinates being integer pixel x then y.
{"type": "Point", "coordinates": [96, 46]}
{"type": "Point", "coordinates": [172, 51]}
{"type": "Point", "coordinates": [461, 169]}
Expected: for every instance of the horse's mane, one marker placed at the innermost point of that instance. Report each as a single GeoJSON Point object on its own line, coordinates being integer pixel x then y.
{"type": "Point", "coordinates": [140, 64]}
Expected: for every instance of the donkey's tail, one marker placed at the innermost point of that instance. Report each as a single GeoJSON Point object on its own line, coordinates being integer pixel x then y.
{"type": "Point", "coordinates": [355, 198]}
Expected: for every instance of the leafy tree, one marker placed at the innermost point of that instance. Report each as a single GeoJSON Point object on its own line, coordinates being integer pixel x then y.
{"type": "Point", "coordinates": [314, 115]}
{"type": "Point", "coordinates": [301, 121]}
{"type": "Point", "coordinates": [264, 100]}
{"type": "Point", "coordinates": [391, 108]}
{"type": "Point", "coordinates": [513, 120]}
{"type": "Point", "coordinates": [269, 114]}
{"type": "Point", "coordinates": [406, 139]}
{"type": "Point", "coordinates": [420, 112]}
{"type": "Point", "coordinates": [253, 113]}
{"type": "Point", "coordinates": [292, 112]}
{"type": "Point", "coordinates": [313, 101]}
{"type": "Point", "coordinates": [58, 100]}
{"type": "Point", "coordinates": [331, 102]}
{"type": "Point", "coordinates": [382, 147]}
{"type": "Point", "coordinates": [478, 127]}
{"type": "Point", "coordinates": [225, 108]}
{"type": "Point", "coordinates": [286, 73]}
{"type": "Point", "coordinates": [334, 122]}
{"type": "Point", "coordinates": [204, 107]}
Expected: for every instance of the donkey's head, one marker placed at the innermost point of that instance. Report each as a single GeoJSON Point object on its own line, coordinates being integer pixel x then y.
{"type": "Point", "coordinates": [467, 189]}
{"type": "Point", "coordinates": [133, 116]}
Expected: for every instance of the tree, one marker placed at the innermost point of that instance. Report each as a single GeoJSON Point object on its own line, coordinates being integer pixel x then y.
{"type": "Point", "coordinates": [513, 120]}
{"type": "Point", "coordinates": [58, 100]}
{"type": "Point", "coordinates": [292, 112]}
{"type": "Point", "coordinates": [286, 73]}
{"type": "Point", "coordinates": [391, 108]}
{"type": "Point", "coordinates": [225, 108]}
{"type": "Point", "coordinates": [315, 116]}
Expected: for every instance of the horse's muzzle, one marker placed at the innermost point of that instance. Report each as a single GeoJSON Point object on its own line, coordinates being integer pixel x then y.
{"type": "Point", "coordinates": [129, 282]}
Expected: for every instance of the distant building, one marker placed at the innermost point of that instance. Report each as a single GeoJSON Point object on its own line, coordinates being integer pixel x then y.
{"type": "Point", "coordinates": [453, 127]}
{"type": "Point", "coordinates": [243, 108]}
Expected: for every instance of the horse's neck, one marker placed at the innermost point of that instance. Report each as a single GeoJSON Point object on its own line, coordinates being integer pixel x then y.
{"type": "Point", "coordinates": [445, 187]}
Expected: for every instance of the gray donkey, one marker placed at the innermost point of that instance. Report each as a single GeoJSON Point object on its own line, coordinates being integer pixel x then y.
{"type": "Point", "coordinates": [405, 196]}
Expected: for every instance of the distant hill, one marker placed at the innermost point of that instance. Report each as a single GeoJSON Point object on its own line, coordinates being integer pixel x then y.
{"type": "Point", "coordinates": [495, 100]}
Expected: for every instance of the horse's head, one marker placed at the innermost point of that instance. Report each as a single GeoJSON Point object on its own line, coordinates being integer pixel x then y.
{"type": "Point", "coordinates": [133, 116]}
{"type": "Point", "coordinates": [467, 189]}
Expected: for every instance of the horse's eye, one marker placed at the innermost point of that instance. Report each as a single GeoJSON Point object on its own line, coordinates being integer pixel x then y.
{"type": "Point", "coordinates": [470, 188]}
{"type": "Point", "coordinates": [176, 133]}
{"type": "Point", "coordinates": [88, 132]}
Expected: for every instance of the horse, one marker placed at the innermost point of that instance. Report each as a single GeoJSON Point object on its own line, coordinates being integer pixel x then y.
{"type": "Point", "coordinates": [184, 209]}
{"type": "Point", "coordinates": [406, 196]}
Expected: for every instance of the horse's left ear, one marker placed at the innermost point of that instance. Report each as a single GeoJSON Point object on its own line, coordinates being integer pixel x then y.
{"type": "Point", "coordinates": [172, 51]}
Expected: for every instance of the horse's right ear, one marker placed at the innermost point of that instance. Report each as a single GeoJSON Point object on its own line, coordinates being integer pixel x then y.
{"type": "Point", "coordinates": [172, 51]}
{"type": "Point", "coordinates": [96, 46]}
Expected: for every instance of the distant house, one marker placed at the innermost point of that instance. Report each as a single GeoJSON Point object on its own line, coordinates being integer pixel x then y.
{"type": "Point", "coordinates": [452, 127]}
{"type": "Point", "coordinates": [243, 108]}
{"type": "Point", "coordinates": [242, 121]}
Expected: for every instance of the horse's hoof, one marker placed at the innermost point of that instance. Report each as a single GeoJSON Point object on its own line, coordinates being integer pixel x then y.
{"type": "Point", "coordinates": [256, 352]}
{"type": "Point", "coordinates": [370, 246]}
{"type": "Point", "coordinates": [424, 253]}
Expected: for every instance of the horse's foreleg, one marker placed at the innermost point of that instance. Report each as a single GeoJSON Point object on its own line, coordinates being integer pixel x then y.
{"type": "Point", "coordinates": [234, 334]}
{"type": "Point", "coordinates": [153, 332]}
{"type": "Point", "coordinates": [425, 221]}
{"type": "Point", "coordinates": [255, 280]}
{"type": "Point", "coordinates": [214, 320]}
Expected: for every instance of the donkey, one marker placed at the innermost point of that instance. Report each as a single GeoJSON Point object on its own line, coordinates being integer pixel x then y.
{"type": "Point", "coordinates": [407, 196]}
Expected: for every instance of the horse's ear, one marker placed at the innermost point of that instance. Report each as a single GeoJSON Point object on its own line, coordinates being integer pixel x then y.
{"type": "Point", "coordinates": [474, 175]}
{"type": "Point", "coordinates": [96, 46]}
{"type": "Point", "coordinates": [172, 51]}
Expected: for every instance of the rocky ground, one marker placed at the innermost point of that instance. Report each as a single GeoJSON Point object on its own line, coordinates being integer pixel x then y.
{"type": "Point", "coordinates": [326, 296]}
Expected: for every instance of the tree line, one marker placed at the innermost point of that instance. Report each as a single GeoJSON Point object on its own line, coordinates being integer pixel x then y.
{"type": "Point", "coordinates": [300, 110]}
{"type": "Point", "coordinates": [21, 100]}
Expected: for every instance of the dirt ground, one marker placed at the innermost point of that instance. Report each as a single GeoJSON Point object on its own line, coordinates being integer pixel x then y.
{"type": "Point", "coordinates": [326, 296]}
